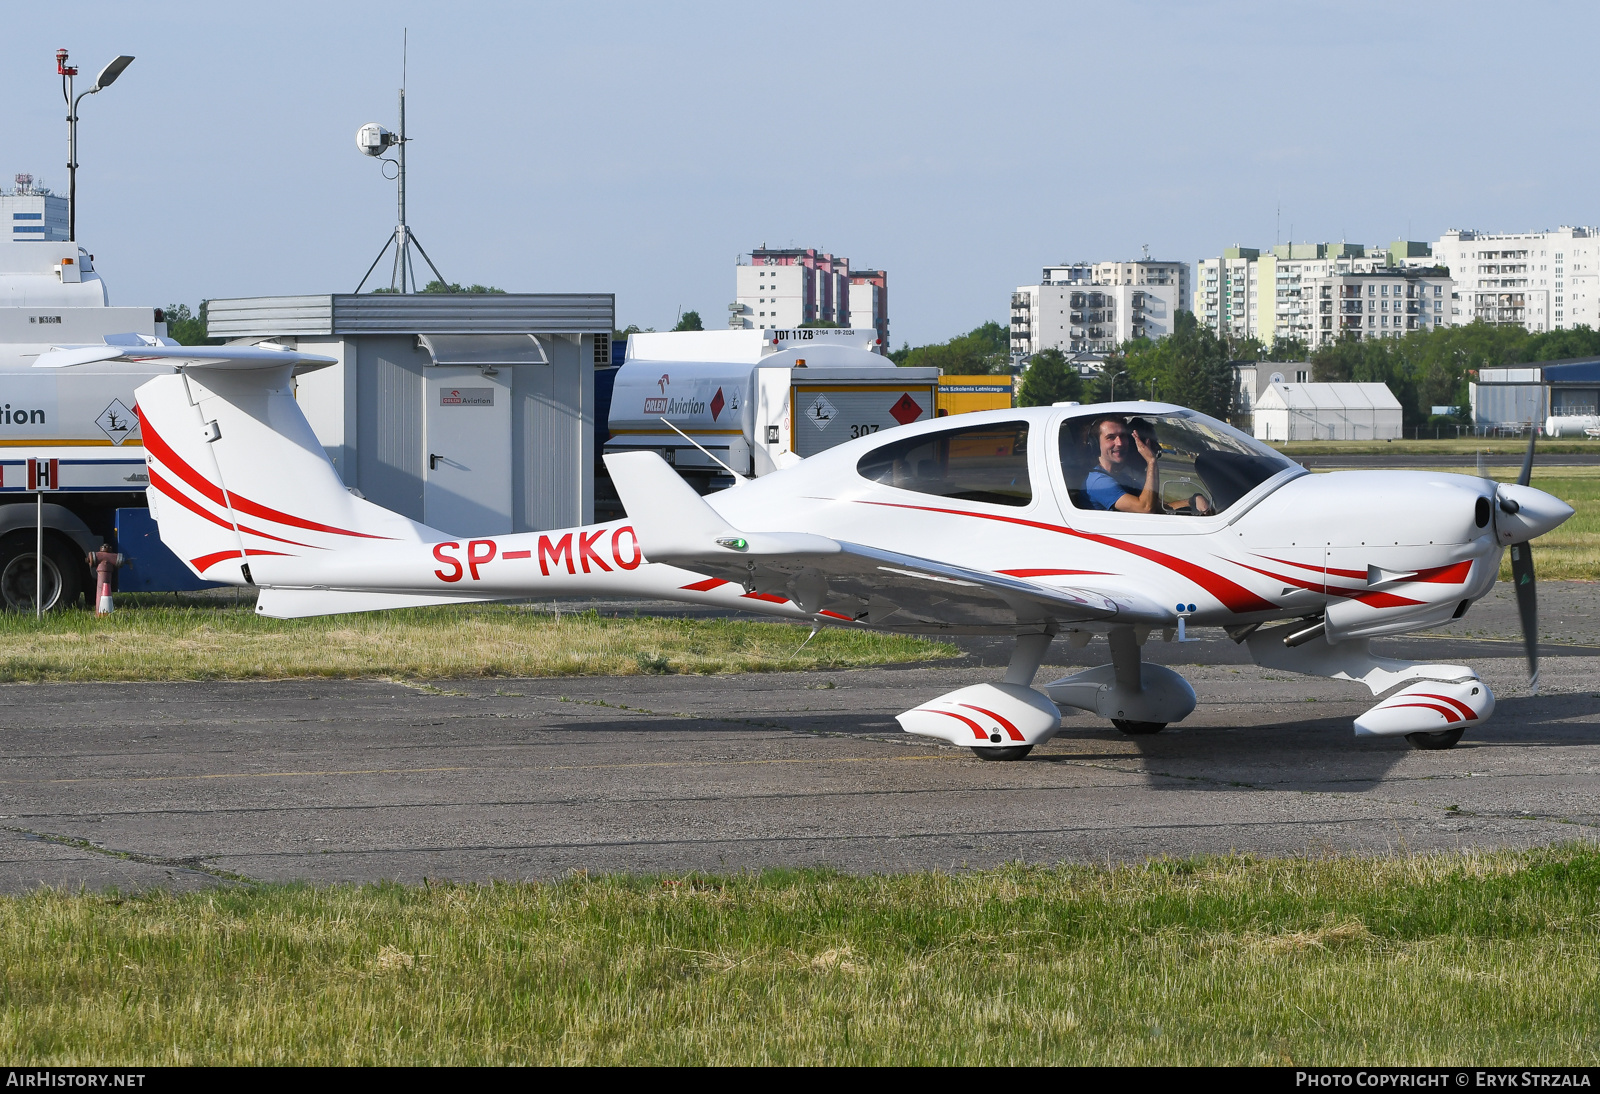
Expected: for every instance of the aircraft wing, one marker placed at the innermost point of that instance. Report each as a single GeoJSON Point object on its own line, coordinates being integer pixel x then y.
{"type": "Point", "coordinates": [846, 580]}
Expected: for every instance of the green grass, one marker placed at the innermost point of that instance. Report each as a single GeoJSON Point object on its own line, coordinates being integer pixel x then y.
{"type": "Point", "coordinates": [1450, 959]}
{"type": "Point", "coordinates": [1572, 551]}
{"type": "Point", "coordinates": [226, 640]}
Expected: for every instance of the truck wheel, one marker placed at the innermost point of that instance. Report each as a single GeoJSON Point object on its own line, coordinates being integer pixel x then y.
{"type": "Point", "coordinates": [64, 573]}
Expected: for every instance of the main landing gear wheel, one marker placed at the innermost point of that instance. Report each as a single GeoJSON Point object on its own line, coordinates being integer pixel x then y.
{"type": "Point", "coordinates": [1138, 729]}
{"type": "Point", "coordinates": [1010, 752]}
{"type": "Point", "coordinates": [1444, 738]}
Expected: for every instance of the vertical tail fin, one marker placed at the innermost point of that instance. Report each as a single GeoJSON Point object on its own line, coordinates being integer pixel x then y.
{"type": "Point", "coordinates": [236, 472]}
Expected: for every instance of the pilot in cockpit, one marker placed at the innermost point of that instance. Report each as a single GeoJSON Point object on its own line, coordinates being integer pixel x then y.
{"type": "Point", "coordinates": [1124, 476]}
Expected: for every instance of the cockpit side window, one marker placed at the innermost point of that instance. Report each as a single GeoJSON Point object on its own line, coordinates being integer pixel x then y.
{"type": "Point", "coordinates": [987, 463]}
{"type": "Point", "coordinates": [1203, 467]}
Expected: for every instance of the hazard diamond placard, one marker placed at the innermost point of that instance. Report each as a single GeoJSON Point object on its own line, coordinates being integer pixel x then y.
{"type": "Point", "coordinates": [906, 409]}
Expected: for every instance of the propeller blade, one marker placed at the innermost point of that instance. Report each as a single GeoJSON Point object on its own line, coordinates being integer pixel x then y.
{"type": "Point", "coordinates": [1527, 608]}
{"type": "Point", "coordinates": [1527, 461]}
{"type": "Point", "coordinates": [1483, 471]}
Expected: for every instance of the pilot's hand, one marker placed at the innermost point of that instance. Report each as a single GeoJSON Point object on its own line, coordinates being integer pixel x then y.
{"type": "Point", "coordinates": [1150, 454]}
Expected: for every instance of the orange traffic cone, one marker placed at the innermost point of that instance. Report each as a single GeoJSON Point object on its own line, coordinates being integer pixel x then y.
{"type": "Point", "coordinates": [104, 562]}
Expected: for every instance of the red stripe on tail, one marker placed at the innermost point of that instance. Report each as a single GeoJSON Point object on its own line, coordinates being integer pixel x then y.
{"type": "Point", "coordinates": [158, 447]}
{"type": "Point", "coordinates": [205, 562]}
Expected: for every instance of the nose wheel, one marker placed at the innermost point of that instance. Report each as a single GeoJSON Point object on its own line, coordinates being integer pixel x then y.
{"type": "Point", "coordinates": [1138, 729]}
{"type": "Point", "coordinates": [1444, 738]}
{"type": "Point", "coordinates": [1010, 752]}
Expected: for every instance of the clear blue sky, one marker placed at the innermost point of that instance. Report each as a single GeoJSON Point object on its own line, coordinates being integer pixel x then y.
{"type": "Point", "coordinates": [637, 148]}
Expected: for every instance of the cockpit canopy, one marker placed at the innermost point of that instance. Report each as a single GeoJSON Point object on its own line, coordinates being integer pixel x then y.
{"type": "Point", "coordinates": [1205, 465]}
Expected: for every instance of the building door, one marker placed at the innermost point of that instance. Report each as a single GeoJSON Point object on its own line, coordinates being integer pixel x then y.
{"type": "Point", "coordinates": [467, 467]}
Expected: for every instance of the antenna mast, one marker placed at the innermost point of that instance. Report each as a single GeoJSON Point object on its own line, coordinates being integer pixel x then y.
{"type": "Point", "coordinates": [374, 140]}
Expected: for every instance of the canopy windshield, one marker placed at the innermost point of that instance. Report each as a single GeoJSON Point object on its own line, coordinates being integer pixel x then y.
{"type": "Point", "coordinates": [1204, 466]}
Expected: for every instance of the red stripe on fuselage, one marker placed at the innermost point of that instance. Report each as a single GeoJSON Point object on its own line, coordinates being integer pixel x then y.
{"type": "Point", "coordinates": [1379, 599]}
{"type": "Point", "coordinates": [1454, 574]}
{"type": "Point", "coordinates": [1357, 574]}
{"type": "Point", "coordinates": [1232, 595]}
{"type": "Point", "coordinates": [1051, 573]}
{"type": "Point", "coordinates": [1299, 583]}
{"type": "Point", "coordinates": [1370, 599]}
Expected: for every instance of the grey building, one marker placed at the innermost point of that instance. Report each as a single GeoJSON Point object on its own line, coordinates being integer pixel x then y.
{"type": "Point", "coordinates": [1562, 397]}
{"type": "Point", "coordinates": [472, 414]}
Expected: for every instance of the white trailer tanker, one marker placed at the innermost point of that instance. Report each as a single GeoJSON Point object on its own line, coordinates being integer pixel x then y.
{"type": "Point", "coordinates": [758, 400]}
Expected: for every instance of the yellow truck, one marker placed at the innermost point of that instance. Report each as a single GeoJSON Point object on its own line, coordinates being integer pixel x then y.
{"type": "Point", "coordinates": [965, 394]}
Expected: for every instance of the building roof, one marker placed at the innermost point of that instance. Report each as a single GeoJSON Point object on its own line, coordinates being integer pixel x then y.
{"type": "Point", "coordinates": [1328, 397]}
{"type": "Point", "coordinates": [1572, 370]}
{"type": "Point", "coordinates": [1581, 371]}
{"type": "Point", "coordinates": [412, 313]}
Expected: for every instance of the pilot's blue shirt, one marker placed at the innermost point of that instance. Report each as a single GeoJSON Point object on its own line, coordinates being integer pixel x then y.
{"type": "Point", "coordinates": [1103, 490]}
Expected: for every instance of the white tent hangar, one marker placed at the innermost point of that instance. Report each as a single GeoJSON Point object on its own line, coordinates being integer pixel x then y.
{"type": "Point", "coordinates": [1327, 412]}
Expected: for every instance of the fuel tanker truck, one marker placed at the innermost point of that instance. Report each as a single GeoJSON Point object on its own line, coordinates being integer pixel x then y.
{"type": "Point", "coordinates": [71, 457]}
{"type": "Point", "coordinates": [715, 404]}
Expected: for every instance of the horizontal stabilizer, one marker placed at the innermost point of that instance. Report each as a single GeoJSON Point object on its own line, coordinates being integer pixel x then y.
{"type": "Point", "coordinates": [298, 603]}
{"type": "Point", "coordinates": [224, 357]}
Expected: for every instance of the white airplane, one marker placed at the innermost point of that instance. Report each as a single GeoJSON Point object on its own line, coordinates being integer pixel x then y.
{"type": "Point", "coordinates": [1126, 520]}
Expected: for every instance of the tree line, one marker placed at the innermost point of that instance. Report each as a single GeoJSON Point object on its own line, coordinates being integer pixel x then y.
{"type": "Point", "coordinates": [1194, 366]}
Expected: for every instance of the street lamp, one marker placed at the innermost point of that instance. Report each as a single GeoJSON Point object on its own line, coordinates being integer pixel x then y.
{"type": "Point", "coordinates": [107, 77]}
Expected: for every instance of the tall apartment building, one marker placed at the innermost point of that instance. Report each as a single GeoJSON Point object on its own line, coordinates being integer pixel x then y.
{"type": "Point", "coordinates": [869, 303]}
{"type": "Point", "coordinates": [785, 287]}
{"type": "Point", "coordinates": [1082, 307]}
{"type": "Point", "coordinates": [33, 212]}
{"type": "Point", "coordinates": [1537, 280]}
{"type": "Point", "coordinates": [1245, 293]}
{"type": "Point", "coordinates": [1380, 303]}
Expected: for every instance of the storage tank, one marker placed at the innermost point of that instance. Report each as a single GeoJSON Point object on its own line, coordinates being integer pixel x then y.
{"type": "Point", "coordinates": [1571, 425]}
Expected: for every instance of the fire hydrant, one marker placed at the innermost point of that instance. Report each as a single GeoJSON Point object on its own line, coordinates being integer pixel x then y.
{"type": "Point", "coordinates": [104, 563]}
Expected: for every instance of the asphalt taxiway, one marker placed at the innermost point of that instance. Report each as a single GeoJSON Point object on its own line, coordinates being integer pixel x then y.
{"type": "Point", "coordinates": [184, 785]}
